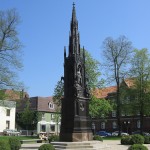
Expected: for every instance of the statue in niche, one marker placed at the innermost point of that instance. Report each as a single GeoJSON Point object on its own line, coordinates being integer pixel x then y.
{"type": "Point", "coordinates": [79, 75]}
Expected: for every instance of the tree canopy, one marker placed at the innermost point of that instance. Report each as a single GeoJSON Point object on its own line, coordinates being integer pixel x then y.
{"type": "Point", "coordinates": [10, 49]}
{"type": "Point", "coordinates": [99, 108]}
{"type": "Point", "coordinates": [140, 93]}
{"type": "Point", "coordinates": [116, 53]}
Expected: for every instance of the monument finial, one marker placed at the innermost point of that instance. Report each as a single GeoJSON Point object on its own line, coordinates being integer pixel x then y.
{"type": "Point", "coordinates": [73, 4]}
{"type": "Point", "coordinates": [73, 13]}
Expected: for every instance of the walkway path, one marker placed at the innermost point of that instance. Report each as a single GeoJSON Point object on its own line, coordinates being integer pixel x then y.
{"type": "Point", "coordinates": [115, 145]}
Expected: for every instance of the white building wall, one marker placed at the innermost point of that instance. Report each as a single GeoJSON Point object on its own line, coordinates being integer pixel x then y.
{"type": "Point", "coordinates": [3, 117]}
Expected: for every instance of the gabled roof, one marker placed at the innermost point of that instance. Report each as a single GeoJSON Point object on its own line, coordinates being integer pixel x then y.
{"type": "Point", "coordinates": [103, 92]}
{"type": "Point", "coordinates": [41, 104]}
{"type": "Point", "coordinates": [129, 82]}
{"type": "Point", "coordinates": [15, 95]}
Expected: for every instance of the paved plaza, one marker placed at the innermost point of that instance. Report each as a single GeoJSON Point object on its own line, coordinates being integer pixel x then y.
{"type": "Point", "coordinates": [115, 145]}
{"type": "Point", "coordinates": [112, 144]}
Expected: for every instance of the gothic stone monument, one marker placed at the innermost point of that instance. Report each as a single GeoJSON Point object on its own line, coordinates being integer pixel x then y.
{"type": "Point", "coordinates": [75, 120]}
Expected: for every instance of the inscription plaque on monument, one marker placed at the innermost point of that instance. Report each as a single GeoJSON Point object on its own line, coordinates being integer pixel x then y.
{"type": "Point", "coordinates": [75, 120]}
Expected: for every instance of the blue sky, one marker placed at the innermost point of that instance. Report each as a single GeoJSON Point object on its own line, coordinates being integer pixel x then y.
{"type": "Point", "coordinates": [44, 31]}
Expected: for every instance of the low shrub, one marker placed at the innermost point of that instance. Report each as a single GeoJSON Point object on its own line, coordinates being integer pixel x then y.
{"type": "Point", "coordinates": [14, 143]}
{"type": "Point", "coordinates": [46, 147]}
{"type": "Point", "coordinates": [53, 138]}
{"type": "Point", "coordinates": [98, 138]}
{"type": "Point", "coordinates": [126, 140]}
{"type": "Point", "coordinates": [146, 139]}
{"type": "Point", "coordinates": [4, 145]}
{"type": "Point", "coordinates": [137, 139]}
{"type": "Point", "coordinates": [137, 147]}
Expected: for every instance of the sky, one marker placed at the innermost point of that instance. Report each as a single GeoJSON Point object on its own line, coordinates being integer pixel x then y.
{"type": "Point", "coordinates": [44, 31]}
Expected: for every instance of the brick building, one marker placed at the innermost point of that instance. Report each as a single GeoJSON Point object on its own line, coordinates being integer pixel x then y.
{"type": "Point", "coordinates": [129, 123]}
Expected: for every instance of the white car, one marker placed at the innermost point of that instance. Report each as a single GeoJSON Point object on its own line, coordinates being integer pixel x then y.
{"type": "Point", "coordinates": [11, 132]}
{"type": "Point", "coordinates": [115, 133]}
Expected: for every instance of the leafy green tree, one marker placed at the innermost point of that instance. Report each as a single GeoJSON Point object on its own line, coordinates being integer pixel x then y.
{"type": "Point", "coordinates": [28, 118]}
{"type": "Point", "coordinates": [10, 46]}
{"type": "Point", "coordinates": [99, 108]}
{"type": "Point", "coordinates": [117, 55]}
{"type": "Point", "coordinates": [92, 70]}
{"type": "Point", "coordinates": [58, 92]}
{"type": "Point", "coordinates": [140, 93]}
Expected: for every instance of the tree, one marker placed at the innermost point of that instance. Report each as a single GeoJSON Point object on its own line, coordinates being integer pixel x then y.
{"type": "Point", "coordinates": [117, 53]}
{"type": "Point", "coordinates": [27, 118]}
{"type": "Point", "coordinates": [92, 71]}
{"type": "Point", "coordinates": [10, 45]}
{"type": "Point", "coordinates": [92, 74]}
{"type": "Point", "coordinates": [140, 93]}
{"type": "Point", "coordinates": [58, 92]}
{"type": "Point", "coordinates": [99, 108]}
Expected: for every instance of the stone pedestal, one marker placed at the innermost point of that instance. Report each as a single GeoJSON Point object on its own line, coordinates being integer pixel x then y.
{"type": "Point", "coordinates": [77, 137]}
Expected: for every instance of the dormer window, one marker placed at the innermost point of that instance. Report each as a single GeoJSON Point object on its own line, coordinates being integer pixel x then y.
{"type": "Point", "coordinates": [51, 105]}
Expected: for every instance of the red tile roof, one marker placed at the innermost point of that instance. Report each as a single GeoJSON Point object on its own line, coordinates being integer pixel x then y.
{"type": "Point", "coordinates": [15, 95]}
{"type": "Point", "coordinates": [103, 92]}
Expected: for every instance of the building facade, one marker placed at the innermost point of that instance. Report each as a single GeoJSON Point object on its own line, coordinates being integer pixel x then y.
{"type": "Point", "coordinates": [49, 118]}
{"type": "Point", "coordinates": [129, 122]}
{"type": "Point", "coordinates": [7, 113]}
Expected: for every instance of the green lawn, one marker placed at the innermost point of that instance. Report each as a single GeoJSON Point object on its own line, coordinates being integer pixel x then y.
{"type": "Point", "coordinates": [19, 137]}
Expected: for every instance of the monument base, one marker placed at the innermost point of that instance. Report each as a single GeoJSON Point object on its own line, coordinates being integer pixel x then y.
{"type": "Point", "coordinates": [89, 145]}
{"type": "Point", "coordinates": [76, 137]}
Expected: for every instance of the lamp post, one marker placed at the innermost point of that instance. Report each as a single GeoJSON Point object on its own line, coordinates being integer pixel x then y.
{"type": "Point", "coordinates": [127, 125]}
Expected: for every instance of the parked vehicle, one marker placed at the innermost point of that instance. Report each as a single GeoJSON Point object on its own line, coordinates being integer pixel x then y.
{"type": "Point", "coordinates": [103, 133]}
{"type": "Point", "coordinates": [11, 132]}
{"type": "Point", "coordinates": [115, 133]}
{"type": "Point", "coordinates": [138, 132]}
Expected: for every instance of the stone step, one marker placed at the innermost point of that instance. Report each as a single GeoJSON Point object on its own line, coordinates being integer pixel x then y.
{"type": "Point", "coordinates": [34, 146]}
{"type": "Point", "coordinates": [89, 145]}
{"type": "Point", "coordinates": [86, 145]}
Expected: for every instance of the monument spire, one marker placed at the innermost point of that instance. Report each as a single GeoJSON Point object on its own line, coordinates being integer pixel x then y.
{"type": "Point", "coordinates": [75, 120]}
{"type": "Point", "coordinates": [74, 13]}
{"type": "Point", "coordinates": [74, 43]}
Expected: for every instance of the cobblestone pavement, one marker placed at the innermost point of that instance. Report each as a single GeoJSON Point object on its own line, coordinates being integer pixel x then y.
{"type": "Point", "coordinates": [115, 145]}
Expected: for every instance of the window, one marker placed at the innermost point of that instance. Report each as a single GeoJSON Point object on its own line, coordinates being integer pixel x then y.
{"type": "Point", "coordinates": [138, 124]}
{"type": "Point", "coordinates": [43, 128]}
{"type": "Point", "coordinates": [51, 105]}
{"type": "Point", "coordinates": [8, 112]}
{"type": "Point", "coordinates": [114, 125]}
{"type": "Point", "coordinates": [52, 126]}
{"type": "Point", "coordinates": [103, 125]}
{"type": "Point", "coordinates": [52, 116]}
{"type": "Point", "coordinates": [7, 124]}
{"type": "Point", "coordinates": [123, 113]}
{"type": "Point", "coordinates": [113, 113]}
{"type": "Point", "coordinates": [43, 116]}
